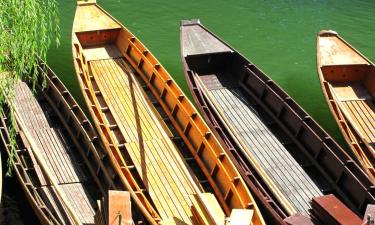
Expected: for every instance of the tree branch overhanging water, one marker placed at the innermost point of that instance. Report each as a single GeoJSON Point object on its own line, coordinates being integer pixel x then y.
{"type": "Point", "coordinates": [27, 29]}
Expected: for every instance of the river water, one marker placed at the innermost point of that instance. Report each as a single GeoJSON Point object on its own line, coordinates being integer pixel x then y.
{"type": "Point", "coordinates": [279, 36]}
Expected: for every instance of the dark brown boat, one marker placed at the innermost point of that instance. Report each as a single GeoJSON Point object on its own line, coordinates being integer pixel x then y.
{"type": "Point", "coordinates": [58, 160]}
{"type": "Point", "coordinates": [266, 131]}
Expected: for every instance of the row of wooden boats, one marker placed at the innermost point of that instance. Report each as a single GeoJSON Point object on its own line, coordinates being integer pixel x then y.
{"type": "Point", "coordinates": [251, 155]}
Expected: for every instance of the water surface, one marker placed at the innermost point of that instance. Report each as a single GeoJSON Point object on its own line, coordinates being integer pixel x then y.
{"type": "Point", "coordinates": [277, 35]}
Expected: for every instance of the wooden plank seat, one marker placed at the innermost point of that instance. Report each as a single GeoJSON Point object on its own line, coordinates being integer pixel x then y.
{"type": "Point", "coordinates": [60, 155]}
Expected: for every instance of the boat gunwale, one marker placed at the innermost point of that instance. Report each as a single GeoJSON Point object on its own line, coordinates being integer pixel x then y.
{"type": "Point", "coordinates": [114, 162]}
{"type": "Point", "coordinates": [80, 138]}
{"type": "Point", "coordinates": [262, 191]}
{"type": "Point", "coordinates": [256, 209]}
{"type": "Point", "coordinates": [341, 120]}
{"type": "Point", "coordinates": [341, 155]}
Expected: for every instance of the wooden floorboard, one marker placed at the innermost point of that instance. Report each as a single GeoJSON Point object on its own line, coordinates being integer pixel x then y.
{"type": "Point", "coordinates": [269, 152]}
{"type": "Point", "coordinates": [58, 154]}
{"type": "Point", "coordinates": [156, 158]}
{"type": "Point", "coordinates": [362, 116]}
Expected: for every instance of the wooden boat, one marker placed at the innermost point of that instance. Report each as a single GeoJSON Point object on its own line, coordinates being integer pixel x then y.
{"type": "Point", "coordinates": [152, 133]}
{"type": "Point", "coordinates": [1, 178]}
{"type": "Point", "coordinates": [348, 82]}
{"type": "Point", "coordinates": [58, 156]}
{"type": "Point", "coordinates": [265, 129]}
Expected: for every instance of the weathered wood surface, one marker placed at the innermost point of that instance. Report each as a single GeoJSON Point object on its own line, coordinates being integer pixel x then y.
{"type": "Point", "coordinates": [334, 52]}
{"type": "Point", "coordinates": [331, 210]}
{"type": "Point", "coordinates": [197, 41]}
{"type": "Point", "coordinates": [155, 156]}
{"type": "Point", "coordinates": [273, 158]}
{"type": "Point", "coordinates": [90, 18]}
{"type": "Point", "coordinates": [59, 153]}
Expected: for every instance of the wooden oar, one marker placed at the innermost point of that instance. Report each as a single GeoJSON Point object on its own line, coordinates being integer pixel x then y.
{"type": "Point", "coordinates": [38, 155]}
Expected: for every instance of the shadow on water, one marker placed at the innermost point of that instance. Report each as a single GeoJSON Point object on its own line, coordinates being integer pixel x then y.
{"type": "Point", "coordinates": [15, 208]}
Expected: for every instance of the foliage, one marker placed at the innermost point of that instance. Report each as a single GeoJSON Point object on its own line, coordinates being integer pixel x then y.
{"type": "Point", "coordinates": [27, 29]}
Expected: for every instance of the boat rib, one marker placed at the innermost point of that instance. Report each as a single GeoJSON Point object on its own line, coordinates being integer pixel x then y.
{"type": "Point", "coordinates": [140, 123]}
{"type": "Point", "coordinates": [149, 146]}
{"type": "Point", "coordinates": [257, 141]}
{"type": "Point", "coordinates": [347, 79]}
{"type": "Point", "coordinates": [58, 165]}
{"type": "Point", "coordinates": [292, 158]}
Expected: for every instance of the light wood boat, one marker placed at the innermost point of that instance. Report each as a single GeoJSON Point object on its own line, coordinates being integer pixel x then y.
{"type": "Point", "coordinates": [153, 134]}
{"type": "Point", "coordinates": [265, 130]}
{"type": "Point", "coordinates": [348, 82]}
{"type": "Point", "coordinates": [58, 157]}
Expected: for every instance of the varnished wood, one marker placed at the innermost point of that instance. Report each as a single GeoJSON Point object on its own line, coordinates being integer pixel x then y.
{"type": "Point", "coordinates": [347, 80]}
{"type": "Point", "coordinates": [91, 18]}
{"type": "Point", "coordinates": [167, 182]}
{"type": "Point", "coordinates": [161, 183]}
{"type": "Point", "coordinates": [114, 209]}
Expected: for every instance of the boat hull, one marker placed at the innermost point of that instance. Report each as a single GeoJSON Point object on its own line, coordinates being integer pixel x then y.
{"type": "Point", "coordinates": [42, 196]}
{"type": "Point", "coordinates": [305, 134]}
{"type": "Point", "coordinates": [96, 49]}
{"type": "Point", "coordinates": [346, 78]}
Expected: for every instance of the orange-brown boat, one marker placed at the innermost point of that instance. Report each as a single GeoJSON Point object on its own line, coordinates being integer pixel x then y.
{"type": "Point", "coordinates": [348, 82]}
{"type": "Point", "coordinates": [154, 136]}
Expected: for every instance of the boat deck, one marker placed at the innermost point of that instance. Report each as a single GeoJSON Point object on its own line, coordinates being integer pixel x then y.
{"type": "Point", "coordinates": [358, 107]}
{"type": "Point", "coordinates": [59, 153]}
{"type": "Point", "coordinates": [156, 158]}
{"type": "Point", "coordinates": [260, 142]}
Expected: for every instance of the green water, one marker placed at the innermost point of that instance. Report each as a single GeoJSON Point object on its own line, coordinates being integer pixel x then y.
{"type": "Point", "coordinates": [276, 35]}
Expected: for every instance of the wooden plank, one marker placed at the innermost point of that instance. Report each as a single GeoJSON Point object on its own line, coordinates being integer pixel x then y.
{"type": "Point", "coordinates": [91, 18]}
{"type": "Point", "coordinates": [290, 182]}
{"type": "Point", "coordinates": [197, 41]}
{"type": "Point", "coordinates": [81, 202]}
{"type": "Point", "coordinates": [331, 210]}
{"type": "Point", "coordinates": [59, 157]}
{"type": "Point", "coordinates": [241, 217]}
{"type": "Point", "coordinates": [101, 52]}
{"type": "Point", "coordinates": [362, 117]}
{"type": "Point", "coordinates": [119, 208]}
{"type": "Point", "coordinates": [299, 219]}
{"type": "Point", "coordinates": [333, 51]}
{"type": "Point", "coordinates": [207, 210]}
{"type": "Point", "coordinates": [165, 180]}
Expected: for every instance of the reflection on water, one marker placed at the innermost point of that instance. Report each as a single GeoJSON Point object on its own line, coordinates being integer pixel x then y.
{"type": "Point", "coordinates": [278, 36]}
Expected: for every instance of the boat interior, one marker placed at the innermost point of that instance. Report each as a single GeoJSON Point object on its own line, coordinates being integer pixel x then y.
{"type": "Point", "coordinates": [221, 75]}
{"type": "Point", "coordinates": [61, 150]}
{"type": "Point", "coordinates": [134, 128]}
{"type": "Point", "coordinates": [271, 129]}
{"type": "Point", "coordinates": [350, 77]}
{"type": "Point", "coordinates": [141, 111]}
